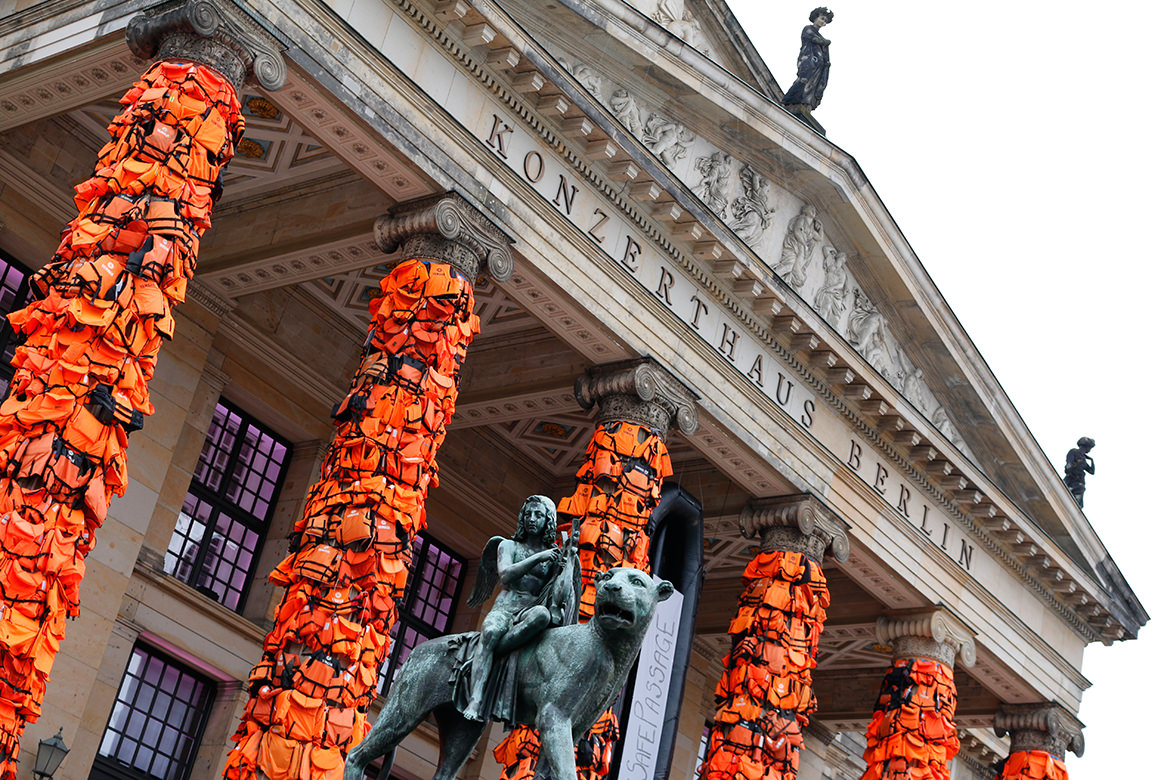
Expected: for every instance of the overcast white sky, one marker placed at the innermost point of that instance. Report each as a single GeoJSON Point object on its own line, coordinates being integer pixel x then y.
{"type": "Point", "coordinates": [1022, 148]}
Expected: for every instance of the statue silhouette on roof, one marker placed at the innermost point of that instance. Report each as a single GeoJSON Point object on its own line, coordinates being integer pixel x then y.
{"type": "Point", "coordinates": [812, 70]}
{"type": "Point", "coordinates": [1076, 465]}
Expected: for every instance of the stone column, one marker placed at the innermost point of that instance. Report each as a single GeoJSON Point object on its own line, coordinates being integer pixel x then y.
{"type": "Point", "coordinates": [912, 733]}
{"type": "Point", "coordinates": [1040, 733]}
{"type": "Point", "coordinates": [618, 488]}
{"type": "Point", "coordinates": [352, 547]}
{"type": "Point", "coordinates": [765, 695]}
{"type": "Point", "coordinates": [91, 340]}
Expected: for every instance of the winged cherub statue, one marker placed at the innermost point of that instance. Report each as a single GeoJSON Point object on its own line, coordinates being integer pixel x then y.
{"type": "Point", "coordinates": [540, 589]}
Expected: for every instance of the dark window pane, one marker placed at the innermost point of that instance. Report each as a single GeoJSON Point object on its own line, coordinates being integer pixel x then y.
{"type": "Point", "coordinates": [157, 719]}
{"type": "Point", "coordinates": [426, 610]}
{"type": "Point", "coordinates": [13, 295]}
{"type": "Point", "coordinates": [232, 492]}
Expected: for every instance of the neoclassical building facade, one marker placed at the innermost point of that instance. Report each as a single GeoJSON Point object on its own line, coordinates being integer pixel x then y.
{"type": "Point", "coordinates": [462, 252]}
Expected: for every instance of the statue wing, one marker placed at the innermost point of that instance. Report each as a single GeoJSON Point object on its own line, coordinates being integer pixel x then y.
{"type": "Point", "coordinates": [488, 575]}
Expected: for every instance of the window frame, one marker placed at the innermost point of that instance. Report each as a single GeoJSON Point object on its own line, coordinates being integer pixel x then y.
{"type": "Point", "coordinates": [7, 335]}
{"type": "Point", "coordinates": [220, 504]}
{"type": "Point", "coordinates": [109, 767]}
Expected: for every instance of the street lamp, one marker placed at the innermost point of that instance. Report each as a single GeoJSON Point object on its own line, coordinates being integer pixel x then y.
{"type": "Point", "coordinates": [50, 754]}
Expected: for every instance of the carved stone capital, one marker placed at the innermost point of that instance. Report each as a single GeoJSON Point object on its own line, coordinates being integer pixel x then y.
{"type": "Point", "coordinates": [449, 229]}
{"type": "Point", "coordinates": [640, 391]}
{"type": "Point", "coordinates": [1043, 726]}
{"type": "Point", "coordinates": [216, 33]}
{"type": "Point", "coordinates": [800, 523]}
{"type": "Point", "coordinates": [929, 633]}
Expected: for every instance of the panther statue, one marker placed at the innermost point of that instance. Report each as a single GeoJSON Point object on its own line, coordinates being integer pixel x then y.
{"type": "Point", "coordinates": [567, 677]}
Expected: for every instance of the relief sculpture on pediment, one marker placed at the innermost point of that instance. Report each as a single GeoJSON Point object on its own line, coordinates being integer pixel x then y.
{"type": "Point", "coordinates": [804, 232]}
{"type": "Point", "coordinates": [751, 212]}
{"type": "Point", "coordinates": [712, 190]}
{"type": "Point", "coordinates": [833, 293]}
{"type": "Point", "coordinates": [808, 260]}
{"type": "Point", "coordinates": [666, 138]}
{"type": "Point", "coordinates": [867, 330]}
{"type": "Point", "coordinates": [625, 108]}
{"type": "Point", "coordinates": [589, 78]}
{"type": "Point", "coordinates": [677, 18]}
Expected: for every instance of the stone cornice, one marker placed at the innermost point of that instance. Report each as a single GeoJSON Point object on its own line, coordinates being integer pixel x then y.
{"type": "Point", "coordinates": [1043, 726]}
{"type": "Point", "coordinates": [449, 229]}
{"type": "Point", "coordinates": [640, 391]}
{"type": "Point", "coordinates": [217, 33]}
{"type": "Point", "coordinates": [936, 633]}
{"type": "Point", "coordinates": [815, 526]}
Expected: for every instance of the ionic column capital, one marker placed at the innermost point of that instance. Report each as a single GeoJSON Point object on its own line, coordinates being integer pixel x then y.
{"type": "Point", "coordinates": [929, 633]}
{"type": "Point", "coordinates": [1042, 726]}
{"type": "Point", "coordinates": [449, 229]}
{"type": "Point", "coordinates": [639, 391]}
{"type": "Point", "coordinates": [216, 33]}
{"type": "Point", "coordinates": [800, 523]}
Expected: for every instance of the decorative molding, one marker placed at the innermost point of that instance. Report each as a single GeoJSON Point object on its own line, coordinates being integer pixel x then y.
{"type": "Point", "coordinates": [471, 413]}
{"type": "Point", "coordinates": [798, 522]}
{"type": "Point", "coordinates": [36, 187]}
{"type": "Point", "coordinates": [215, 379]}
{"type": "Point", "coordinates": [977, 754]}
{"type": "Point", "coordinates": [449, 229]}
{"type": "Point", "coordinates": [302, 265]}
{"type": "Point", "coordinates": [66, 84]}
{"type": "Point", "coordinates": [217, 33]}
{"type": "Point", "coordinates": [300, 373]}
{"type": "Point", "coordinates": [200, 293]}
{"type": "Point", "coordinates": [640, 390]}
{"type": "Point", "coordinates": [533, 293]}
{"type": "Point", "coordinates": [1042, 726]}
{"type": "Point", "coordinates": [355, 143]}
{"type": "Point", "coordinates": [933, 633]}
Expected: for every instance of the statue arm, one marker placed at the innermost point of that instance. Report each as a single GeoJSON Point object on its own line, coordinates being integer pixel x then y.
{"type": "Point", "coordinates": [511, 571]}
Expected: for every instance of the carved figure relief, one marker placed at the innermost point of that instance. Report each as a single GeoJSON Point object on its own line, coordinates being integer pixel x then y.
{"type": "Point", "coordinates": [867, 330]}
{"type": "Point", "coordinates": [625, 108]}
{"type": "Point", "coordinates": [804, 232]}
{"type": "Point", "coordinates": [943, 422]}
{"type": "Point", "coordinates": [589, 78]}
{"type": "Point", "coordinates": [667, 139]}
{"type": "Point", "coordinates": [678, 19]}
{"type": "Point", "coordinates": [751, 214]}
{"type": "Point", "coordinates": [716, 170]}
{"type": "Point", "coordinates": [831, 298]}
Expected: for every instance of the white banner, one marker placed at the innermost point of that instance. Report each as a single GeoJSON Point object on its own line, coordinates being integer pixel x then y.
{"type": "Point", "coordinates": [649, 692]}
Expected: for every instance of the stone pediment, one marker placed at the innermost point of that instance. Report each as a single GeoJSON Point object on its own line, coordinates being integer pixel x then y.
{"type": "Point", "coordinates": [774, 221]}
{"type": "Point", "coordinates": [754, 168]}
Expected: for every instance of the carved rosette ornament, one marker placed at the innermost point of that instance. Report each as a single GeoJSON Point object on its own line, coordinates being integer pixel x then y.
{"type": "Point", "coordinates": [449, 229]}
{"type": "Point", "coordinates": [351, 550]}
{"type": "Point", "coordinates": [1040, 734]}
{"type": "Point", "coordinates": [639, 391]}
{"type": "Point", "coordinates": [912, 732]}
{"type": "Point", "coordinates": [215, 33]}
{"type": "Point", "coordinates": [618, 487]}
{"type": "Point", "coordinates": [766, 687]}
